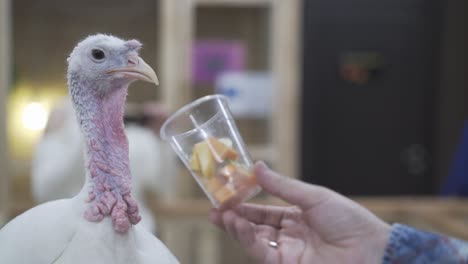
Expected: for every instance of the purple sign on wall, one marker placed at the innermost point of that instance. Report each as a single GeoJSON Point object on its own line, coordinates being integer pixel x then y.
{"type": "Point", "coordinates": [212, 57]}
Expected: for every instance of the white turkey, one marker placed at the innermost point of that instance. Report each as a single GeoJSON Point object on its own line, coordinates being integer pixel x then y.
{"type": "Point", "coordinates": [100, 223]}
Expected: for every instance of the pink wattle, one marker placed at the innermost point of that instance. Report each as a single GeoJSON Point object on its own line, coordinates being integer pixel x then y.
{"type": "Point", "coordinates": [107, 163]}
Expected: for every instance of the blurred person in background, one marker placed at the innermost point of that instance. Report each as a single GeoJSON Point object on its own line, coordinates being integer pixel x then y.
{"type": "Point", "coordinates": [325, 227]}
{"type": "Point", "coordinates": [58, 161]}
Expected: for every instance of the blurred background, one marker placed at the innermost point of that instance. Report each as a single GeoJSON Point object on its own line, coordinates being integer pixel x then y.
{"type": "Point", "coordinates": [364, 97]}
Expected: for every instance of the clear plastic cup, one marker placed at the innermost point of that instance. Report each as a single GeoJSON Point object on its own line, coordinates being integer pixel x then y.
{"type": "Point", "coordinates": [206, 139]}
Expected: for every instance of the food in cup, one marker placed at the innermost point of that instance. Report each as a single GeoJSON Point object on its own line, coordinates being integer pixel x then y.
{"type": "Point", "coordinates": [205, 137]}
{"type": "Point", "coordinates": [216, 162]}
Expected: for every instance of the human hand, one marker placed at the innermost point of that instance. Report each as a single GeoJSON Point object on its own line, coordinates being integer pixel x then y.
{"type": "Point", "coordinates": [322, 227]}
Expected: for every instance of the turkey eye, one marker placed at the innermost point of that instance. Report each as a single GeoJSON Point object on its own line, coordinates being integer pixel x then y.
{"type": "Point", "coordinates": [98, 54]}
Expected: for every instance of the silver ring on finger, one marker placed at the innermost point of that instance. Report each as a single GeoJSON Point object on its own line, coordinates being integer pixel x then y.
{"type": "Point", "coordinates": [273, 244]}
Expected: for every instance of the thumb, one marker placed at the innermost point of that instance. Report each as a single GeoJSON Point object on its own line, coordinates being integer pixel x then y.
{"type": "Point", "coordinates": [290, 190]}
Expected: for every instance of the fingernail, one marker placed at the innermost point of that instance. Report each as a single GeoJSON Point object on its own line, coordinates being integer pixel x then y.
{"type": "Point", "coordinates": [261, 168]}
{"type": "Point", "coordinates": [260, 165]}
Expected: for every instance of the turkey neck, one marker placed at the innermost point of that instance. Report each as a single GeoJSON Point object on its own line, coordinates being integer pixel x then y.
{"type": "Point", "coordinates": [108, 177]}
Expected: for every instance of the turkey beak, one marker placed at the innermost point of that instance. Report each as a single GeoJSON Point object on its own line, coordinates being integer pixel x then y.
{"type": "Point", "coordinates": [137, 69]}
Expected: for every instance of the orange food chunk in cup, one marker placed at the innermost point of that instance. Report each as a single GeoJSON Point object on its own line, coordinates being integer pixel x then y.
{"type": "Point", "coordinates": [224, 194]}
{"type": "Point", "coordinates": [248, 175]}
{"type": "Point", "coordinates": [243, 178]}
{"type": "Point", "coordinates": [215, 183]}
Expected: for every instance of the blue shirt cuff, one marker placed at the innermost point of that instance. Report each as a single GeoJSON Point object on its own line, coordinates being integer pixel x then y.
{"type": "Point", "coordinates": [409, 245]}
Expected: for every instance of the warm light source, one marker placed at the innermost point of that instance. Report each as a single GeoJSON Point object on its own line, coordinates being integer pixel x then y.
{"type": "Point", "coordinates": [34, 116]}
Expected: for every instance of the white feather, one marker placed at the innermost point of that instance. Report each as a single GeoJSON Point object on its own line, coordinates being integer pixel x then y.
{"type": "Point", "coordinates": [56, 232]}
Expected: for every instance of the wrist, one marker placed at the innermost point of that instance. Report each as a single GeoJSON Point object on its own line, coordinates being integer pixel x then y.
{"type": "Point", "coordinates": [378, 243]}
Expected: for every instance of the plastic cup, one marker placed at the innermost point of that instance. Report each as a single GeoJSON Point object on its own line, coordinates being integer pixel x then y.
{"type": "Point", "coordinates": [206, 139]}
